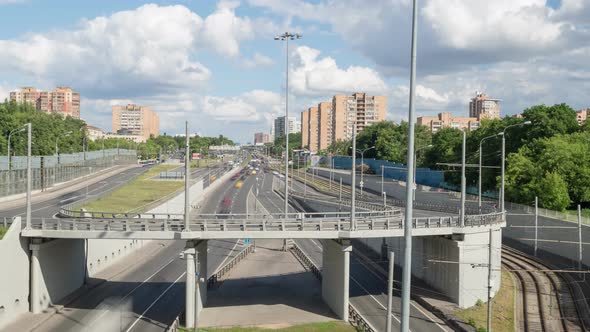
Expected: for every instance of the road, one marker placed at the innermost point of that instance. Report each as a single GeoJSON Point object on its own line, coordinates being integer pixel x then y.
{"type": "Point", "coordinates": [146, 295]}
{"type": "Point", "coordinates": [368, 290]}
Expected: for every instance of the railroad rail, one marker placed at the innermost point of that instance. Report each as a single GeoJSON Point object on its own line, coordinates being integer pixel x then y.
{"type": "Point", "coordinates": [549, 301]}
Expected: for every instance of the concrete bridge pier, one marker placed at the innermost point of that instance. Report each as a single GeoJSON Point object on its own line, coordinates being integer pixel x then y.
{"type": "Point", "coordinates": [335, 275]}
{"type": "Point", "coordinates": [35, 294]}
{"type": "Point", "coordinates": [195, 254]}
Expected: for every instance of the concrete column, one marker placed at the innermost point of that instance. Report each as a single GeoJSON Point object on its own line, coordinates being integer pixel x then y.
{"type": "Point", "coordinates": [335, 276]}
{"type": "Point", "coordinates": [35, 291]}
{"type": "Point", "coordinates": [202, 277]}
{"type": "Point", "coordinates": [189, 256]}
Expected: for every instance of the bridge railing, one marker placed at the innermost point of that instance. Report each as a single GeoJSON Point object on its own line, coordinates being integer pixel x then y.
{"type": "Point", "coordinates": [313, 222]}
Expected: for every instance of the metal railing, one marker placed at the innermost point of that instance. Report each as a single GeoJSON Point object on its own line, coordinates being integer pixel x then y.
{"type": "Point", "coordinates": [311, 222]}
{"type": "Point", "coordinates": [216, 277]}
{"type": "Point", "coordinates": [354, 317]}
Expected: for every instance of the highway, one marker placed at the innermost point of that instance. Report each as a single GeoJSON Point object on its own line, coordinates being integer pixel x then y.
{"type": "Point", "coordinates": [145, 295]}
{"type": "Point", "coordinates": [368, 290]}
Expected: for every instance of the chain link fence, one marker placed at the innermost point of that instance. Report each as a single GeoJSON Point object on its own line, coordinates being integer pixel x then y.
{"type": "Point", "coordinates": [46, 171]}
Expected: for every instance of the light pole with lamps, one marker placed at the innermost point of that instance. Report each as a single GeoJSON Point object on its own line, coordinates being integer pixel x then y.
{"type": "Point", "coordinates": [502, 195]}
{"type": "Point", "coordinates": [480, 167]}
{"type": "Point", "coordinates": [286, 37]}
{"type": "Point", "coordinates": [362, 153]}
{"type": "Point", "coordinates": [18, 130]}
{"type": "Point", "coordinates": [57, 147]}
{"type": "Point", "coordinates": [415, 166]}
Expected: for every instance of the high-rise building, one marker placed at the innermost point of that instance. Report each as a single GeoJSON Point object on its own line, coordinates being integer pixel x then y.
{"type": "Point", "coordinates": [260, 138]}
{"type": "Point", "coordinates": [324, 125]}
{"type": "Point", "coordinates": [483, 107]}
{"type": "Point", "coordinates": [62, 101]}
{"type": "Point", "coordinates": [294, 126]}
{"type": "Point", "coordinates": [365, 110]}
{"type": "Point", "coordinates": [446, 120]}
{"type": "Point", "coordinates": [135, 120]}
{"type": "Point", "coordinates": [314, 137]}
{"type": "Point", "coordinates": [305, 129]}
{"type": "Point", "coordinates": [582, 115]}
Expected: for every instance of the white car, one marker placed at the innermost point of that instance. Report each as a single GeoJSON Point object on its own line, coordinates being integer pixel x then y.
{"type": "Point", "coordinates": [275, 172]}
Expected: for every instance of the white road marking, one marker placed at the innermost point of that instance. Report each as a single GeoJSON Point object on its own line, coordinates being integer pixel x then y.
{"type": "Point", "coordinates": [69, 199]}
{"type": "Point", "coordinates": [226, 257]}
{"type": "Point", "coordinates": [374, 298]}
{"type": "Point", "coordinates": [155, 301]}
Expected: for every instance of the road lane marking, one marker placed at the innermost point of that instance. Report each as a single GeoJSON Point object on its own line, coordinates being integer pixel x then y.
{"type": "Point", "coordinates": [226, 257]}
{"type": "Point", "coordinates": [375, 299]}
{"type": "Point", "coordinates": [157, 299]}
{"type": "Point", "coordinates": [133, 290]}
{"type": "Point", "coordinates": [68, 199]}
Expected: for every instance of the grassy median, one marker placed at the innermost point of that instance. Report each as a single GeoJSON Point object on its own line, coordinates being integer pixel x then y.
{"type": "Point", "coordinates": [502, 309]}
{"type": "Point", "coordinates": [138, 193]}
{"type": "Point", "coordinates": [3, 231]}
{"type": "Point", "coordinates": [312, 327]}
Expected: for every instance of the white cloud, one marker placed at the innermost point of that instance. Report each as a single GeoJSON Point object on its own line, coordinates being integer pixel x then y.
{"type": "Point", "coordinates": [252, 106]}
{"type": "Point", "coordinates": [258, 60]}
{"type": "Point", "coordinates": [313, 75]}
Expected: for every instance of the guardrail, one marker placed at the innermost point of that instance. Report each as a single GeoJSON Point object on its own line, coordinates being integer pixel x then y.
{"type": "Point", "coordinates": [216, 277]}
{"type": "Point", "coordinates": [328, 221]}
{"type": "Point", "coordinates": [354, 317]}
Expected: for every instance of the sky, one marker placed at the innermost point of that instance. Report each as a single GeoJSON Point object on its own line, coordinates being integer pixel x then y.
{"type": "Point", "coordinates": [217, 65]}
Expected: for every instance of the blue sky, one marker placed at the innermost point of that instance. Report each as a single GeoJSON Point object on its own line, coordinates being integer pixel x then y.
{"type": "Point", "coordinates": [216, 64]}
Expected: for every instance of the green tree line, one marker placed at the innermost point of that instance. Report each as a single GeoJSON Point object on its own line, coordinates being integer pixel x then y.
{"type": "Point", "coordinates": [550, 158]}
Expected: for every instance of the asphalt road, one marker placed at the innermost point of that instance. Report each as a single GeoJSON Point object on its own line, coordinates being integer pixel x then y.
{"type": "Point", "coordinates": [148, 294]}
{"type": "Point", "coordinates": [368, 291]}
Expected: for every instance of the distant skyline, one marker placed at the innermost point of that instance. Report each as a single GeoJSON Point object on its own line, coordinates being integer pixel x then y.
{"type": "Point", "coordinates": [216, 63]}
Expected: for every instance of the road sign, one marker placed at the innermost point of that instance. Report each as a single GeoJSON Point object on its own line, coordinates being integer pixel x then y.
{"type": "Point", "coordinates": [362, 183]}
{"type": "Point", "coordinates": [247, 241]}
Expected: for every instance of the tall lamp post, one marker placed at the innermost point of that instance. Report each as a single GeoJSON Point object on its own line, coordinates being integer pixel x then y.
{"type": "Point", "coordinates": [407, 272]}
{"type": "Point", "coordinates": [18, 130]}
{"type": "Point", "coordinates": [57, 147]}
{"type": "Point", "coordinates": [362, 153]}
{"type": "Point", "coordinates": [502, 196]}
{"type": "Point", "coordinates": [480, 168]}
{"type": "Point", "coordinates": [286, 37]}
{"type": "Point", "coordinates": [415, 166]}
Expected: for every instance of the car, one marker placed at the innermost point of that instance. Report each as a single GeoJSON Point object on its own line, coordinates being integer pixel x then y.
{"type": "Point", "coordinates": [239, 184]}
{"type": "Point", "coordinates": [275, 173]}
{"type": "Point", "coordinates": [253, 173]}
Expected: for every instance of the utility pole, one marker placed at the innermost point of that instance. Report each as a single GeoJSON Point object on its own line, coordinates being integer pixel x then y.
{"type": "Point", "coordinates": [536, 223]}
{"type": "Point", "coordinates": [353, 183]}
{"type": "Point", "coordinates": [382, 178]}
{"type": "Point", "coordinates": [490, 283]}
{"type": "Point", "coordinates": [463, 182]}
{"type": "Point", "coordinates": [340, 196]}
{"type": "Point", "coordinates": [187, 174]}
{"type": "Point", "coordinates": [390, 292]}
{"type": "Point", "coordinates": [407, 271]}
{"type": "Point", "coordinates": [29, 186]}
{"type": "Point", "coordinates": [579, 237]}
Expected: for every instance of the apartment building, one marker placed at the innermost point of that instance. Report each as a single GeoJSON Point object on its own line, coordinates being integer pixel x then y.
{"type": "Point", "coordinates": [260, 138]}
{"type": "Point", "coordinates": [483, 107]}
{"type": "Point", "coordinates": [293, 124]}
{"type": "Point", "coordinates": [324, 125]}
{"type": "Point", "coordinates": [446, 120]}
{"type": "Point", "coordinates": [582, 115]}
{"type": "Point", "coordinates": [359, 107]}
{"type": "Point", "coordinates": [314, 135]}
{"type": "Point", "coordinates": [63, 100]}
{"type": "Point", "coordinates": [135, 120]}
{"type": "Point", "coordinates": [305, 129]}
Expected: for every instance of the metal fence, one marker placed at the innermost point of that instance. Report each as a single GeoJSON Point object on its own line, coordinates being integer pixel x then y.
{"type": "Point", "coordinates": [573, 217]}
{"type": "Point", "coordinates": [50, 170]}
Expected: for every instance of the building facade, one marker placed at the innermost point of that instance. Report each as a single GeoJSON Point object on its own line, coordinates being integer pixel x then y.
{"type": "Point", "coordinates": [279, 126]}
{"type": "Point", "coordinates": [314, 137]}
{"type": "Point", "coordinates": [305, 129]}
{"type": "Point", "coordinates": [483, 107]}
{"type": "Point", "coordinates": [135, 120]}
{"type": "Point", "coordinates": [63, 100]}
{"type": "Point", "coordinates": [261, 138]}
{"type": "Point", "coordinates": [360, 108]}
{"type": "Point", "coordinates": [94, 133]}
{"type": "Point", "coordinates": [324, 125]}
{"type": "Point", "coordinates": [582, 115]}
{"type": "Point", "coordinates": [446, 120]}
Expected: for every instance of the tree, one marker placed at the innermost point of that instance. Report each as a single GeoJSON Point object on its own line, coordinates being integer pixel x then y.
{"type": "Point", "coordinates": [552, 192]}
{"type": "Point", "coordinates": [550, 121]}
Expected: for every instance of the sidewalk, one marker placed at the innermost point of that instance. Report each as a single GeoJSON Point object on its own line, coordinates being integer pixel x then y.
{"type": "Point", "coordinates": [16, 201]}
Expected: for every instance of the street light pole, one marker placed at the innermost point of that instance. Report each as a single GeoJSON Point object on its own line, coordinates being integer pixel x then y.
{"type": "Point", "coordinates": [362, 153]}
{"type": "Point", "coordinates": [187, 173]}
{"type": "Point", "coordinates": [353, 182]}
{"type": "Point", "coordinates": [479, 182]}
{"type": "Point", "coordinates": [29, 186]}
{"type": "Point", "coordinates": [415, 166]}
{"type": "Point", "coordinates": [503, 193]}
{"type": "Point", "coordinates": [18, 130]}
{"type": "Point", "coordinates": [463, 181]}
{"type": "Point", "coordinates": [407, 271]}
{"type": "Point", "coordinates": [286, 37]}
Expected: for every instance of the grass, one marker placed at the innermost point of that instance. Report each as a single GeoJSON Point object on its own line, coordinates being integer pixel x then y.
{"type": "Point", "coordinates": [138, 193]}
{"type": "Point", "coordinates": [312, 327]}
{"type": "Point", "coordinates": [3, 231]}
{"type": "Point", "coordinates": [200, 163]}
{"type": "Point", "coordinates": [585, 212]}
{"type": "Point", "coordinates": [502, 309]}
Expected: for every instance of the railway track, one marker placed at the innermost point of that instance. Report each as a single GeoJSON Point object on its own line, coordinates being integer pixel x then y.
{"type": "Point", "coordinates": [547, 300]}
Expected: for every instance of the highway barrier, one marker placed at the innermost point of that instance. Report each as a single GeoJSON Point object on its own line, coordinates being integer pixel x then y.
{"type": "Point", "coordinates": [216, 278]}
